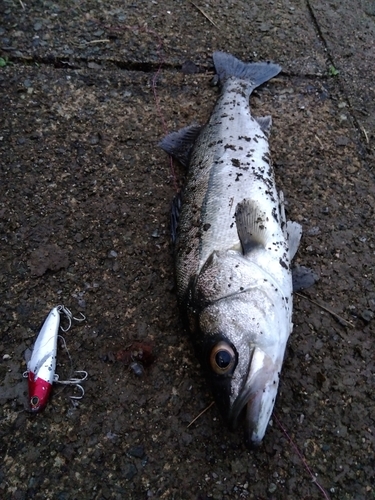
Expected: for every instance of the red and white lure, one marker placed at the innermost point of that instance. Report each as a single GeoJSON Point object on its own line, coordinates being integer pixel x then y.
{"type": "Point", "coordinates": [42, 364]}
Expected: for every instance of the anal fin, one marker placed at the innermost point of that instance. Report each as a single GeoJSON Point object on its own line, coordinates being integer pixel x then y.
{"type": "Point", "coordinates": [265, 123]}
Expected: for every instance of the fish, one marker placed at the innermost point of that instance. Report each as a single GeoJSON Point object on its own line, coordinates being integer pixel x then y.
{"type": "Point", "coordinates": [42, 364]}
{"type": "Point", "coordinates": [234, 248]}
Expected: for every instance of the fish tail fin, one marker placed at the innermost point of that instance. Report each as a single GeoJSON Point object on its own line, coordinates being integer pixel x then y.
{"type": "Point", "coordinates": [257, 73]}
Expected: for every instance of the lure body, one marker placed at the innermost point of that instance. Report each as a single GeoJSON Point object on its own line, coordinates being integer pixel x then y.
{"type": "Point", "coordinates": [42, 364]}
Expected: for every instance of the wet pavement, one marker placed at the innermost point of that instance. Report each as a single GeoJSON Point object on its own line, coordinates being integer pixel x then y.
{"type": "Point", "coordinates": [86, 92]}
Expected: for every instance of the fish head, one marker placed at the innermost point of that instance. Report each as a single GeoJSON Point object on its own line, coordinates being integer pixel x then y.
{"type": "Point", "coordinates": [242, 359]}
{"type": "Point", "coordinates": [39, 392]}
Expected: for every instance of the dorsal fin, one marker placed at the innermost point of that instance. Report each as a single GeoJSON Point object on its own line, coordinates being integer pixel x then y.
{"type": "Point", "coordinates": [179, 144]}
{"type": "Point", "coordinates": [175, 215]}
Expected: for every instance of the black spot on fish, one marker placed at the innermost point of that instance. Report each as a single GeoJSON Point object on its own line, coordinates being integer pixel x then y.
{"type": "Point", "coordinates": [274, 214]}
{"type": "Point", "coordinates": [236, 162]}
{"type": "Point", "coordinates": [230, 146]}
{"type": "Point", "coordinates": [206, 227]}
{"type": "Point", "coordinates": [283, 264]}
{"type": "Point", "coordinates": [238, 177]}
{"type": "Point", "coordinates": [248, 139]}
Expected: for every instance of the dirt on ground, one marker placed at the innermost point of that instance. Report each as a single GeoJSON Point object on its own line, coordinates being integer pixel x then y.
{"type": "Point", "coordinates": [86, 92]}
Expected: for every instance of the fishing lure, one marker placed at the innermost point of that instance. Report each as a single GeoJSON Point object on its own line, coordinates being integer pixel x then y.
{"type": "Point", "coordinates": [42, 364]}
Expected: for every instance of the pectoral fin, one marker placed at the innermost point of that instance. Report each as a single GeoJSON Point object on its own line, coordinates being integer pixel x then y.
{"type": "Point", "coordinates": [303, 277]}
{"type": "Point", "coordinates": [251, 223]}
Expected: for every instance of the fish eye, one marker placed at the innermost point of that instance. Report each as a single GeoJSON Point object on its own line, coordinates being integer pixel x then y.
{"type": "Point", "coordinates": [34, 401]}
{"type": "Point", "coordinates": [222, 358]}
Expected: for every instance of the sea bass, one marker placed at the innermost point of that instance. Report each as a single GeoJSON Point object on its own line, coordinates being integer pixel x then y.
{"type": "Point", "coordinates": [234, 248]}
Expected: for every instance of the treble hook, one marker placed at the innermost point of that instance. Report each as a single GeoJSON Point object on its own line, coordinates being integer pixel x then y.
{"type": "Point", "coordinates": [69, 315]}
{"type": "Point", "coordinates": [74, 381]}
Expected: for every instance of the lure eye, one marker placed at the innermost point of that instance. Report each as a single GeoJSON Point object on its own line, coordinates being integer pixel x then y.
{"type": "Point", "coordinates": [222, 358]}
{"type": "Point", "coordinates": [34, 401]}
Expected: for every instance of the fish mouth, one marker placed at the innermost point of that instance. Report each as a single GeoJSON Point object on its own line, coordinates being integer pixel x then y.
{"type": "Point", "coordinates": [257, 398]}
{"type": "Point", "coordinates": [254, 427]}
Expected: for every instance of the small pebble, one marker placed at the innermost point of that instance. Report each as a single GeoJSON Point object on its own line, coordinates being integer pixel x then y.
{"type": "Point", "coordinates": [137, 369]}
{"type": "Point", "coordinates": [342, 141]}
{"type": "Point", "coordinates": [189, 68]}
{"type": "Point", "coordinates": [272, 488]}
{"type": "Point", "coordinates": [313, 231]}
{"type": "Point", "coordinates": [136, 451]}
{"type": "Point", "coordinates": [367, 315]}
{"type": "Point", "coordinates": [129, 471]}
{"type": "Point", "coordinates": [94, 140]}
{"type": "Point", "coordinates": [6, 357]}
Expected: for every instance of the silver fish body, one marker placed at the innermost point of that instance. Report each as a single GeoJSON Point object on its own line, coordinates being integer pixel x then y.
{"type": "Point", "coordinates": [234, 249]}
